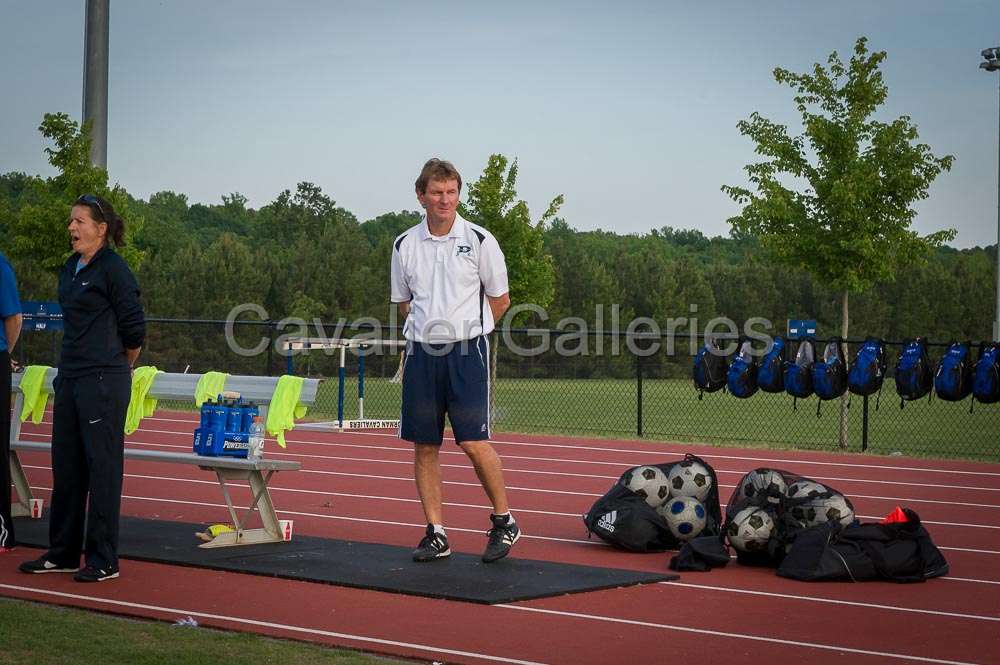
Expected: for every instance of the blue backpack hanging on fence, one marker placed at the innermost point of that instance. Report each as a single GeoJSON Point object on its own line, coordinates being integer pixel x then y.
{"type": "Point", "coordinates": [771, 370]}
{"type": "Point", "coordinates": [798, 374]}
{"type": "Point", "coordinates": [986, 379]}
{"type": "Point", "coordinates": [830, 372]}
{"type": "Point", "coordinates": [709, 371]}
{"type": "Point", "coordinates": [913, 372]}
{"type": "Point", "coordinates": [868, 371]}
{"type": "Point", "coordinates": [953, 377]}
{"type": "Point", "coordinates": [742, 376]}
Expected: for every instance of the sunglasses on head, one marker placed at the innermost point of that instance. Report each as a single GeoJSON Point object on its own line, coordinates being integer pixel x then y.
{"type": "Point", "coordinates": [90, 199]}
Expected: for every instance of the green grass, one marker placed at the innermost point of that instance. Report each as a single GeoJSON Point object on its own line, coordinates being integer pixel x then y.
{"type": "Point", "coordinates": [672, 411]}
{"type": "Point", "coordinates": [35, 634]}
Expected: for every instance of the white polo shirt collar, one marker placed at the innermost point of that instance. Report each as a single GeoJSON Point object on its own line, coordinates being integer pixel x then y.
{"type": "Point", "coordinates": [457, 230]}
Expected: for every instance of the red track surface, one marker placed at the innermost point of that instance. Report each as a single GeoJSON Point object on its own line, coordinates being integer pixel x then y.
{"type": "Point", "coordinates": [357, 486]}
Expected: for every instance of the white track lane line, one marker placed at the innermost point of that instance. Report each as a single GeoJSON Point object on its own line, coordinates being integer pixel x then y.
{"type": "Point", "coordinates": [421, 526]}
{"type": "Point", "coordinates": [621, 464]}
{"type": "Point", "coordinates": [585, 475]}
{"type": "Point", "coordinates": [630, 463]}
{"type": "Point", "coordinates": [605, 477]}
{"type": "Point", "coordinates": [442, 650]}
{"type": "Point", "coordinates": [652, 450]}
{"type": "Point", "coordinates": [737, 636]}
{"type": "Point", "coordinates": [176, 611]}
{"type": "Point", "coordinates": [716, 456]}
{"type": "Point", "coordinates": [893, 608]}
{"type": "Point", "coordinates": [586, 494]}
{"type": "Point", "coordinates": [343, 518]}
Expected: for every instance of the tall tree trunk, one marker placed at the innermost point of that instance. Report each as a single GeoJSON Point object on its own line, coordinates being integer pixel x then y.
{"type": "Point", "coordinates": [846, 396]}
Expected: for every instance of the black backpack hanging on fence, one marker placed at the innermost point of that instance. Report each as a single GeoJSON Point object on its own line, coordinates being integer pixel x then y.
{"type": "Point", "coordinates": [868, 371]}
{"type": "Point", "coordinates": [742, 376]}
{"type": "Point", "coordinates": [710, 365]}
{"type": "Point", "coordinates": [914, 377]}
{"type": "Point", "coordinates": [986, 379]}
{"type": "Point", "coordinates": [771, 370]}
{"type": "Point", "coordinates": [798, 374]}
{"type": "Point", "coordinates": [953, 377]}
{"type": "Point", "coordinates": [830, 372]}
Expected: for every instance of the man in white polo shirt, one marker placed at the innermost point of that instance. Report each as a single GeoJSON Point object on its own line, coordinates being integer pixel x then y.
{"type": "Point", "coordinates": [450, 280]}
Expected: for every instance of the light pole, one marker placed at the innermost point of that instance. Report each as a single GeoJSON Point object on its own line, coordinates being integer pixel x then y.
{"type": "Point", "coordinates": [95, 79]}
{"type": "Point", "coordinates": [992, 64]}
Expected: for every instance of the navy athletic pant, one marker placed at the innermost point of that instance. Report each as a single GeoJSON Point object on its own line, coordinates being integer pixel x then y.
{"type": "Point", "coordinates": [88, 444]}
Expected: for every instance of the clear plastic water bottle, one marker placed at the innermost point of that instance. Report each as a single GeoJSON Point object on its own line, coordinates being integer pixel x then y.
{"type": "Point", "coordinates": [256, 443]}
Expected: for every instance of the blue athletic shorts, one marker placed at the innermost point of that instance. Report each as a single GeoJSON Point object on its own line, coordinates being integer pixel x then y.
{"type": "Point", "coordinates": [446, 378]}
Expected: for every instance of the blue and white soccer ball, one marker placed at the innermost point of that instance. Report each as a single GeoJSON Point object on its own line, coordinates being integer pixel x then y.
{"type": "Point", "coordinates": [648, 482]}
{"type": "Point", "coordinates": [684, 515]}
{"type": "Point", "coordinates": [690, 478]}
{"type": "Point", "coordinates": [750, 529]}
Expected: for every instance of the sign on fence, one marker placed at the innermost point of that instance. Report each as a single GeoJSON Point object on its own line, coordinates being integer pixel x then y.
{"type": "Point", "coordinates": [798, 328]}
{"type": "Point", "coordinates": [41, 316]}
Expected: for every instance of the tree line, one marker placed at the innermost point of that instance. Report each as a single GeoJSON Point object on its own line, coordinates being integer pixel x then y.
{"type": "Point", "coordinates": [302, 255]}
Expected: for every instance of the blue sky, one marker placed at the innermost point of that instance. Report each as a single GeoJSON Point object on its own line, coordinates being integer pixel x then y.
{"type": "Point", "coordinates": [628, 109]}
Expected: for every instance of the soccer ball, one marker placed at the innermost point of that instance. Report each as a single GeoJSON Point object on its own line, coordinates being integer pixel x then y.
{"type": "Point", "coordinates": [835, 509]}
{"type": "Point", "coordinates": [685, 516]}
{"type": "Point", "coordinates": [750, 529]}
{"type": "Point", "coordinates": [648, 482]}
{"type": "Point", "coordinates": [806, 488]}
{"type": "Point", "coordinates": [690, 478]}
{"type": "Point", "coordinates": [821, 509]}
{"type": "Point", "coordinates": [762, 482]}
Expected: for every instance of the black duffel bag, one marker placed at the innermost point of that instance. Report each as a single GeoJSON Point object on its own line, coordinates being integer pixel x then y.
{"type": "Point", "coordinates": [898, 552]}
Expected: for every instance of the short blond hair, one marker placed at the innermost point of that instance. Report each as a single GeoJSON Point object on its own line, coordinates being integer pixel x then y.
{"type": "Point", "coordinates": [437, 169]}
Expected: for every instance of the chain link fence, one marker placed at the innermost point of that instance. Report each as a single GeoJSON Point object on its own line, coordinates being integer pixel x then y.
{"type": "Point", "coordinates": [559, 382]}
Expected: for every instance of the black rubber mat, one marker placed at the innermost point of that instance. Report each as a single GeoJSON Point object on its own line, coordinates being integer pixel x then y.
{"type": "Point", "coordinates": [461, 577]}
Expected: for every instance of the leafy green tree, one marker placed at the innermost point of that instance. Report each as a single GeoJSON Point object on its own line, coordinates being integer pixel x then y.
{"type": "Point", "coordinates": [493, 203]}
{"type": "Point", "coordinates": [849, 223]}
{"type": "Point", "coordinates": [582, 282]}
{"type": "Point", "coordinates": [37, 231]}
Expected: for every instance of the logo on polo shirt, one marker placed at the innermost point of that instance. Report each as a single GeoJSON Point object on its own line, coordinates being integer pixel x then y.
{"type": "Point", "coordinates": [463, 249]}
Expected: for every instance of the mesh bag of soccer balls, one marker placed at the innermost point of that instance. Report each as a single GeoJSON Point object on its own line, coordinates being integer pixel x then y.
{"type": "Point", "coordinates": [659, 507]}
{"type": "Point", "coordinates": [769, 507]}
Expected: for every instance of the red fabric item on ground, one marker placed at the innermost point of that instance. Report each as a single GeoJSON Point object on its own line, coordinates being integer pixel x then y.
{"type": "Point", "coordinates": [896, 516]}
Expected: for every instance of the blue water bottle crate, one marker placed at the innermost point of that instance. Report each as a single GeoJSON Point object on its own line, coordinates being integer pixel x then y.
{"type": "Point", "coordinates": [203, 434]}
{"type": "Point", "coordinates": [231, 438]}
{"type": "Point", "coordinates": [224, 428]}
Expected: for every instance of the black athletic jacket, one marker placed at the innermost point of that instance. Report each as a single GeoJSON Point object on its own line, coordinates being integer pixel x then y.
{"type": "Point", "coordinates": [102, 315]}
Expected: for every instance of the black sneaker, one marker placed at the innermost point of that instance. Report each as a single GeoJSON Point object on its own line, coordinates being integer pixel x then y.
{"type": "Point", "coordinates": [433, 546]}
{"type": "Point", "coordinates": [43, 565]}
{"type": "Point", "coordinates": [502, 536]}
{"type": "Point", "coordinates": [91, 574]}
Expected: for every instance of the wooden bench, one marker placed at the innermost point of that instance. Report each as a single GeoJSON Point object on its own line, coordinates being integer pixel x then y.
{"type": "Point", "coordinates": [171, 386]}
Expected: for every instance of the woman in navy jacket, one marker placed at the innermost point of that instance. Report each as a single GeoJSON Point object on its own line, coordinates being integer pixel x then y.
{"type": "Point", "coordinates": [104, 331]}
